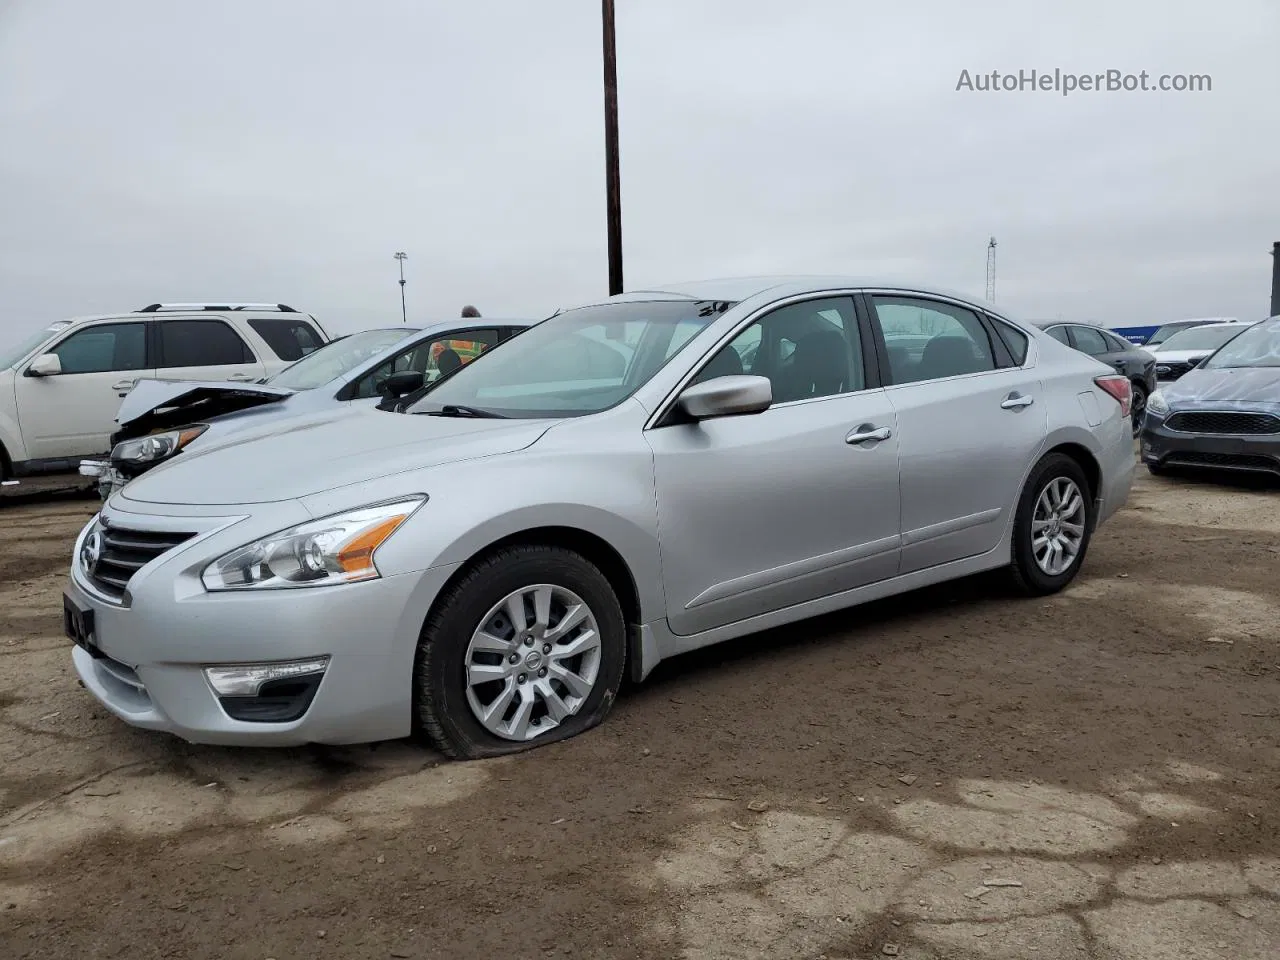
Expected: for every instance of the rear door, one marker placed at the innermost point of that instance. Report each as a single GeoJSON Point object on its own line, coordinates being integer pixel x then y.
{"type": "Point", "coordinates": [203, 348]}
{"type": "Point", "coordinates": [971, 420]}
{"type": "Point", "coordinates": [72, 414]}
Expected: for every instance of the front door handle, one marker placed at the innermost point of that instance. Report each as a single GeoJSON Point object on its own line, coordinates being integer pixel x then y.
{"type": "Point", "coordinates": [868, 432]}
{"type": "Point", "coordinates": [124, 385]}
{"type": "Point", "coordinates": [242, 377]}
{"type": "Point", "coordinates": [1017, 400]}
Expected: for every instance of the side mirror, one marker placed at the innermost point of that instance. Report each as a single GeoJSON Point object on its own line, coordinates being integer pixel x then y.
{"type": "Point", "coordinates": [45, 365]}
{"type": "Point", "coordinates": [401, 384]}
{"type": "Point", "coordinates": [727, 397]}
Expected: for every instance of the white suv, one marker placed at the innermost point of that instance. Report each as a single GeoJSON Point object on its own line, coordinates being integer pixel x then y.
{"type": "Point", "coordinates": [60, 389]}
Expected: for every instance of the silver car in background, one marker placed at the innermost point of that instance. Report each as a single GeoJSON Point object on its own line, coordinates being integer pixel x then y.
{"type": "Point", "coordinates": [619, 484]}
{"type": "Point", "coordinates": [160, 419]}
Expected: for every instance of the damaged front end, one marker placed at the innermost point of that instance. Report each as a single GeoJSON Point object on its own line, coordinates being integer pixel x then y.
{"type": "Point", "coordinates": [159, 419]}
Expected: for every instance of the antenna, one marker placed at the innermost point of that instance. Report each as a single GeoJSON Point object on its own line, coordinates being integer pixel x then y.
{"type": "Point", "coordinates": [991, 270]}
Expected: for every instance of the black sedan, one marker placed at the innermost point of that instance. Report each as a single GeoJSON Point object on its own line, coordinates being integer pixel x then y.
{"type": "Point", "coordinates": [1225, 413]}
{"type": "Point", "coordinates": [1112, 349]}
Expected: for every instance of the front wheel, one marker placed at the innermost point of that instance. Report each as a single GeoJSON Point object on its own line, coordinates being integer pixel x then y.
{"type": "Point", "coordinates": [1052, 526]}
{"type": "Point", "coordinates": [527, 648]}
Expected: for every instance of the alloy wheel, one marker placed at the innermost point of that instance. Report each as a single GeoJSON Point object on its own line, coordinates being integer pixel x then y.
{"type": "Point", "coordinates": [1057, 526]}
{"type": "Point", "coordinates": [532, 662]}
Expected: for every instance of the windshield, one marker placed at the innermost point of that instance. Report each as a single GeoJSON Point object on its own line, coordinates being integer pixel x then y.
{"type": "Point", "coordinates": [1164, 333]}
{"type": "Point", "coordinates": [10, 354]}
{"type": "Point", "coordinates": [576, 363]}
{"type": "Point", "coordinates": [1258, 346]}
{"type": "Point", "coordinates": [334, 359]}
{"type": "Point", "coordinates": [1209, 337]}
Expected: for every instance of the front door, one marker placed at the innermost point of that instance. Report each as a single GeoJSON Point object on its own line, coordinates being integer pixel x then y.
{"type": "Point", "coordinates": [761, 512]}
{"type": "Point", "coordinates": [968, 429]}
{"type": "Point", "coordinates": [204, 348]}
{"type": "Point", "coordinates": [72, 414]}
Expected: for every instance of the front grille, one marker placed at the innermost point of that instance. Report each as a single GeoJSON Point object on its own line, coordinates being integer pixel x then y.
{"type": "Point", "coordinates": [1171, 371]}
{"type": "Point", "coordinates": [1210, 421]}
{"type": "Point", "coordinates": [1224, 461]}
{"type": "Point", "coordinates": [123, 552]}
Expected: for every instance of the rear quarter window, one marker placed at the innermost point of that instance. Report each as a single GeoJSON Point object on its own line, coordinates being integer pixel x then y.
{"type": "Point", "coordinates": [1015, 341]}
{"type": "Point", "coordinates": [289, 338]}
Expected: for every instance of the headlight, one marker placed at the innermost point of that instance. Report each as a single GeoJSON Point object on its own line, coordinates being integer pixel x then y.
{"type": "Point", "coordinates": [157, 447]}
{"type": "Point", "coordinates": [337, 549]}
{"type": "Point", "coordinates": [1157, 404]}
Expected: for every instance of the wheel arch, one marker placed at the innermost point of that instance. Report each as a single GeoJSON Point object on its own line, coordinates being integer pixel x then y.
{"type": "Point", "coordinates": [1083, 456]}
{"type": "Point", "coordinates": [592, 547]}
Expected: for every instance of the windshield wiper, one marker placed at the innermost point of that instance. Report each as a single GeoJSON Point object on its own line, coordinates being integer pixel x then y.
{"type": "Point", "coordinates": [458, 410]}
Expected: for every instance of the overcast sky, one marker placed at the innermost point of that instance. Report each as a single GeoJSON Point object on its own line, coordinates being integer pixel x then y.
{"type": "Point", "coordinates": [285, 149]}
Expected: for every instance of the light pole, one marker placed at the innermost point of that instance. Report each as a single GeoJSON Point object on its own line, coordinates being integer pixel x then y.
{"type": "Point", "coordinates": [404, 314]}
{"type": "Point", "coordinates": [613, 190]}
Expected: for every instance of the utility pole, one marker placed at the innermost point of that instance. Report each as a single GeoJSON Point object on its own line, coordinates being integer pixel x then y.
{"type": "Point", "coordinates": [613, 184]}
{"type": "Point", "coordinates": [1275, 279]}
{"type": "Point", "coordinates": [991, 270]}
{"type": "Point", "coordinates": [404, 313]}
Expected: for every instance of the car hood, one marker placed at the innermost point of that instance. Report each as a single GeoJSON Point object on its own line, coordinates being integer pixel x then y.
{"type": "Point", "coordinates": [318, 454]}
{"type": "Point", "coordinates": [1226, 385]}
{"type": "Point", "coordinates": [159, 404]}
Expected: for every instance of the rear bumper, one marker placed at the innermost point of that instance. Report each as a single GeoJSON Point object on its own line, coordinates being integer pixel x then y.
{"type": "Point", "coordinates": [1162, 447]}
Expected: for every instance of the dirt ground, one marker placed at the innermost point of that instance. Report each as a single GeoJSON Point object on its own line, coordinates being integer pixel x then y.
{"type": "Point", "coordinates": [958, 773]}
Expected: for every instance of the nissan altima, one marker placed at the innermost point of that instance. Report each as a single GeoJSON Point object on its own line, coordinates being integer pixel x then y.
{"type": "Point", "coordinates": [621, 483]}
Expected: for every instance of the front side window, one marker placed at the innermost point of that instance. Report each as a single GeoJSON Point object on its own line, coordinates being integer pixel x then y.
{"type": "Point", "coordinates": [576, 363]}
{"type": "Point", "coordinates": [807, 350]}
{"type": "Point", "coordinates": [335, 359]}
{"type": "Point", "coordinates": [201, 343]}
{"type": "Point", "coordinates": [107, 347]}
{"type": "Point", "coordinates": [929, 340]}
{"type": "Point", "coordinates": [1090, 341]}
{"type": "Point", "coordinates": [432, 358]}
{"type": "Point", "coordinates": [1259, 346]}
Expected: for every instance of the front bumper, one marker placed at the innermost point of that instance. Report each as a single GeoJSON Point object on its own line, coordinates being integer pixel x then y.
{"type": "Point", "coordinates": [145, 661]}
{"type": "Point", "coordinates": [1161, 447]}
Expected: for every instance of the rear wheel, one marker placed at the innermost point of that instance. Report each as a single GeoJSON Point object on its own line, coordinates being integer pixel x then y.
{"type": "Point", "coordinates": [1052, 527]}
{"type": "Point", "coordinates": [527, 648]}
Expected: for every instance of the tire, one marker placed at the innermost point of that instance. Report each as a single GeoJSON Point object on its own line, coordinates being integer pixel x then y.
{"type": "Point", "coordinates": [1138, 406]}
{"type": "Point", "coordinates": [1028, 575]}
{"type": "Point", "coordinates": [443, 693]}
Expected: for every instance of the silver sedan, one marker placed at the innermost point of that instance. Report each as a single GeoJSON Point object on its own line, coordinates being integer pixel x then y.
{"type": "Point", "coordinates": [624, 482]}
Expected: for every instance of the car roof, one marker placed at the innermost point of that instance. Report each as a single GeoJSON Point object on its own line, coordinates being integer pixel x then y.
{"type": "Point", "coordinates": [736, 289]}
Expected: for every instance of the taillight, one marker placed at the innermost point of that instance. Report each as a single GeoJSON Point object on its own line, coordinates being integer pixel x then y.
{"type": "Point", "coordinates": [1120, 388]}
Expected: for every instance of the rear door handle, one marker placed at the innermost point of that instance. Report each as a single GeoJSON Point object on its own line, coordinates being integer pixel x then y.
{"type": "Point", "coordinates": [124, 385]}
{"type": "Point", "coordinates": [867, 432]}
{"type": "Point", "coordinates": [1017, 400]}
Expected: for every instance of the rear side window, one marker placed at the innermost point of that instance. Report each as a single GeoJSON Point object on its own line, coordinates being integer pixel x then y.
{"type": "Point", "coordinates": [289, 338]}
{"type": "Point", "coordinates": [1059, 334]}
{"type": "Point", "coordinates": [1014, 340]}
{"type": "Point", "coordinates": [201, 343]}
{"type": "Point", "coordinates": [1090, 341]}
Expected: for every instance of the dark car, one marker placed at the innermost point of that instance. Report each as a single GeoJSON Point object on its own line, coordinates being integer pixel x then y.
{"type": "Point", "coordinates": [1127, 358]}
{"type": "Point", "coordinates": [1224, 414]}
